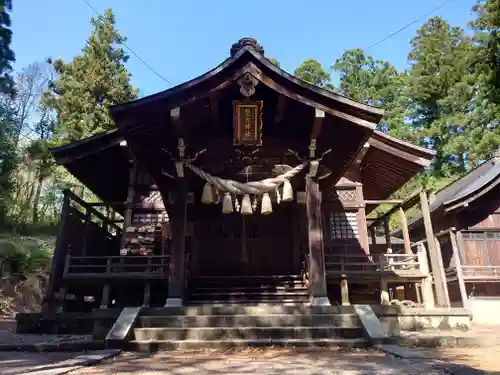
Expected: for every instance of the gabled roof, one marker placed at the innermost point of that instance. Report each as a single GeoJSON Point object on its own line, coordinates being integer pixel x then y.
{"type": "Point", "coordinates": [98, 162]}
{"type": "Point", "coordinates": [147, 127]}
{"type": "Point", "coordinates": [245, 50]}
{"type": "Point", "coordinates": [464, 190]}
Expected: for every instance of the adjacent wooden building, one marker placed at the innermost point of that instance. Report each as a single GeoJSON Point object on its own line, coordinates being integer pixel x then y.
{"type": "Point", "coordinates": [244, 173]}
{"type": "Point", "coordinates": [466, 226]}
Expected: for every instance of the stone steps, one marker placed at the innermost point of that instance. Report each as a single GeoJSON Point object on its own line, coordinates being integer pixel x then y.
{"type": "Point", "coordinates": [245, 333]}
{"type": "Point", "coordinates": [238, 325]}
{"type": "Point", "coordinates": [250, 309]}
{"type": "Point", "coordinates": [151, 346]}
{"type": "Point", "coordinates": [274, 320]}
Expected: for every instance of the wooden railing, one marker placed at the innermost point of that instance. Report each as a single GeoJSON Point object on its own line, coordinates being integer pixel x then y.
{"type": "Point", "coordinates": [129, 266]}
{"type": "Point", "coordinates": [481, 272]}
{"type": "Point", "coordinates": [362, 264]}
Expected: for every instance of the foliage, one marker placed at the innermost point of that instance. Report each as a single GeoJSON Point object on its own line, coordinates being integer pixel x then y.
{"type": "Point", "coordinates": [24, 254]}
{"type": "Point", "coordinates": [447, 99]}
{"type": "Point", "coordinates": [312, 72]}
{"type": "Point", "coordinates": [377, 83]}
{"type": "Point", "coordinates": [7, 56]}
{"type": "Point", "coordinates": [90, 83]}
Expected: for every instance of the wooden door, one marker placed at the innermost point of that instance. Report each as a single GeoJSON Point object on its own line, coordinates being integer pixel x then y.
{"type": "Point", "coordinates": [254, 245]}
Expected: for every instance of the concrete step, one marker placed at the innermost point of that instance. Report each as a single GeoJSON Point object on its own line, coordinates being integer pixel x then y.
{"type": "Point", "coordinates": [246, 309]}
{"type": "Point", "coordinates": [290, 320]}
{"type": "Point", "coordinates": [245, 333]}
{"type": "Point", "coordinates": [151, 346]}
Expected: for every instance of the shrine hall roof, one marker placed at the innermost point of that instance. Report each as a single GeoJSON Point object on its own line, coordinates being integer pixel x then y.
{"type": "Point", "coordinates": [348, 133]}
{"type": "Point", "coordinates": [464, 190]}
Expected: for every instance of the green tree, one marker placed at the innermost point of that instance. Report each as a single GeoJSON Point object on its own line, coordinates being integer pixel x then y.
{"type": "Point", "coordinates": [89, 84]}
{"type": "Point", "coordinates": [377, 83]}
{"type": "Point", "coordinates": [439, 93]}
{"type": "Point", "coordinates": [8, 159]}
{"type": "Point", "coordinates": [274, 61]}
{"type": "Point", "coordinates": [7, 56]}
{"type": "Point", "coordinates": [485, 118]}
{"type": "Point", "coordinates": [312, 72]}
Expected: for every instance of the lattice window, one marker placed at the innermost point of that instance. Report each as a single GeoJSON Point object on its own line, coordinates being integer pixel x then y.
{"type": "Point", "coordinates": [346, 195]}
{"type": "Point", "coordinates": [343, 225]}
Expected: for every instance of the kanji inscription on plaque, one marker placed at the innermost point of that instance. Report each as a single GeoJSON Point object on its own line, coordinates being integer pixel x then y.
{"type": "Point", "coordinates": [247, 123]}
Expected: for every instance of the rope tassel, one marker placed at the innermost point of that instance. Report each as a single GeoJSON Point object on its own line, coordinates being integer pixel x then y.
{"type": "Point", "coordinates": [287, 191]}
{"type": "Point", "coordinates": [266, 205]}
{"type": "Point", "coordinates": [246, 205]}
{"type": "Point", "coordinates": [227, 204]}
{"type": "Point", "coordinates": [207, 196]}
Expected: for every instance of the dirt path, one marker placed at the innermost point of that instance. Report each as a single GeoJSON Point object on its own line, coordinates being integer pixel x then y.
{"type": "Point", "coordinates": [269, 362]}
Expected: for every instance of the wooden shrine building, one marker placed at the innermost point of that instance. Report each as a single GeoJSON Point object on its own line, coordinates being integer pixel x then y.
{"type": "Point", "coordinates": [245, 173]}
{"type": "Point", "coordinates": [466, 224]}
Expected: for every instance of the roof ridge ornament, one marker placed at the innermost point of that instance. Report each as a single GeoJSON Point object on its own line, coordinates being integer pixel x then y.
{"type": "Point", "coordinates": [246, 42]}
{"type": "Point", "coordinates": [246, 79]}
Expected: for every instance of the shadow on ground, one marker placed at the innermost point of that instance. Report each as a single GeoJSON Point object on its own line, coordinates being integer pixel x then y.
{"type": "Point", "coordinates": [269, 361]}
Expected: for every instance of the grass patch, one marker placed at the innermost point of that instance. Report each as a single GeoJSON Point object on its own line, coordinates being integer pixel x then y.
{"type": "Point", "coordinates": [25, 254]}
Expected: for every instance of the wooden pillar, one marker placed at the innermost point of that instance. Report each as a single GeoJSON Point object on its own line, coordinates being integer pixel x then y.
{"type": "Point", "coordinates": [177, 261]}
{"type": "Point", "coordinates": [404, 229]}
{"type": "Point", "coordinates": [387, 233]}
{"type": "Point", "coordinates": [88, 220]}
{"type": "Point", "coordinates": [426, 286]}
{"type": "Point", "coordinates": [361, 220]}
{"type": "Point", "coordinates": [317, 273]}
{"type": "Point", "coordinates": [59, 257]}
{"type": "Point", "coordinates": [442, 297]}
{"type": "Point", "coordinates": [384, 292]}
{"type": "Point", "coordinates": [344, 292]}
{"type": "Point", "coordinates": [373, 235]}
{"type": "Point", "coordinates": [458, 266]}
{"type": "Point", "coordinates": [105, 296]}
{"type": "Point", "coordinates": [127, 218]}
{"type": "Point", "coordinates": [106, 287]}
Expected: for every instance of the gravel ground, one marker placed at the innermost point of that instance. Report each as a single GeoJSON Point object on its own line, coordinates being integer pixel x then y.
{"type": "Point", "coordinates": [269, 362]}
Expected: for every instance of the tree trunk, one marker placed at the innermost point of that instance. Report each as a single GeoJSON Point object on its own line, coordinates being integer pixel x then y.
{"type": "Point", "coordinates": [36, 199]}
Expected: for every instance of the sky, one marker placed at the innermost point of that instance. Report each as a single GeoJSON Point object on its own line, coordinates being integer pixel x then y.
{"type": "Point", "coordinates": [184, 39]}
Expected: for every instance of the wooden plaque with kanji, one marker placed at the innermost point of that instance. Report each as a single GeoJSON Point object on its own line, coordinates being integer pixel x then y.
{"type": "Point", "coordinates": [247, 123]}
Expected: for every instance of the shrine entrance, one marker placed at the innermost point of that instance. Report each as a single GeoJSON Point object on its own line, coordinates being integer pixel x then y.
{"type": "Point", "coordinates": [246, 245]}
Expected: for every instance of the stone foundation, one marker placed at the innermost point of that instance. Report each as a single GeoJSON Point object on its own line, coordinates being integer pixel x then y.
{"type": "Point", "coordinates": [396, 319]}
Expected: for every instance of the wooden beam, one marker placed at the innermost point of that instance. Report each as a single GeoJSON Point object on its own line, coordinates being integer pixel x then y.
{"type": "Point", "coordinates": [269, 82]}
{"type": "Point", "coordinates": [319, 116]}
{"type": "Point", "coordinates": [404, 230]}
{"type": "Point", "coordinates": [399, 153]}
{"type": "Point", "coordinates": [383, 201]}
{"type": "Point", "coordinates": [412, 200]}
{"type": "Point", "coordinates": [317, 274]}
{"type": "Point", "coordinates": [175, 120]}
{"type": "Point", "coordinates": [280, 109]}
{"type": "Point", "coordinates": [362, 153]}
{"type": "Point", "coordinates": [214, 107]}
{"type": "Point", "coordinates": [458, 266]}
{"type": "Point", "coordinates": [59, 257]}
{"type": "Point", "coordinates": [441, 288]}
{"type": "Point", "coordinates": [387, 233]}
{"type": "Point", "coordinates": [177, 268]}
{"type": "Point", "coordinates": [127, 216]}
